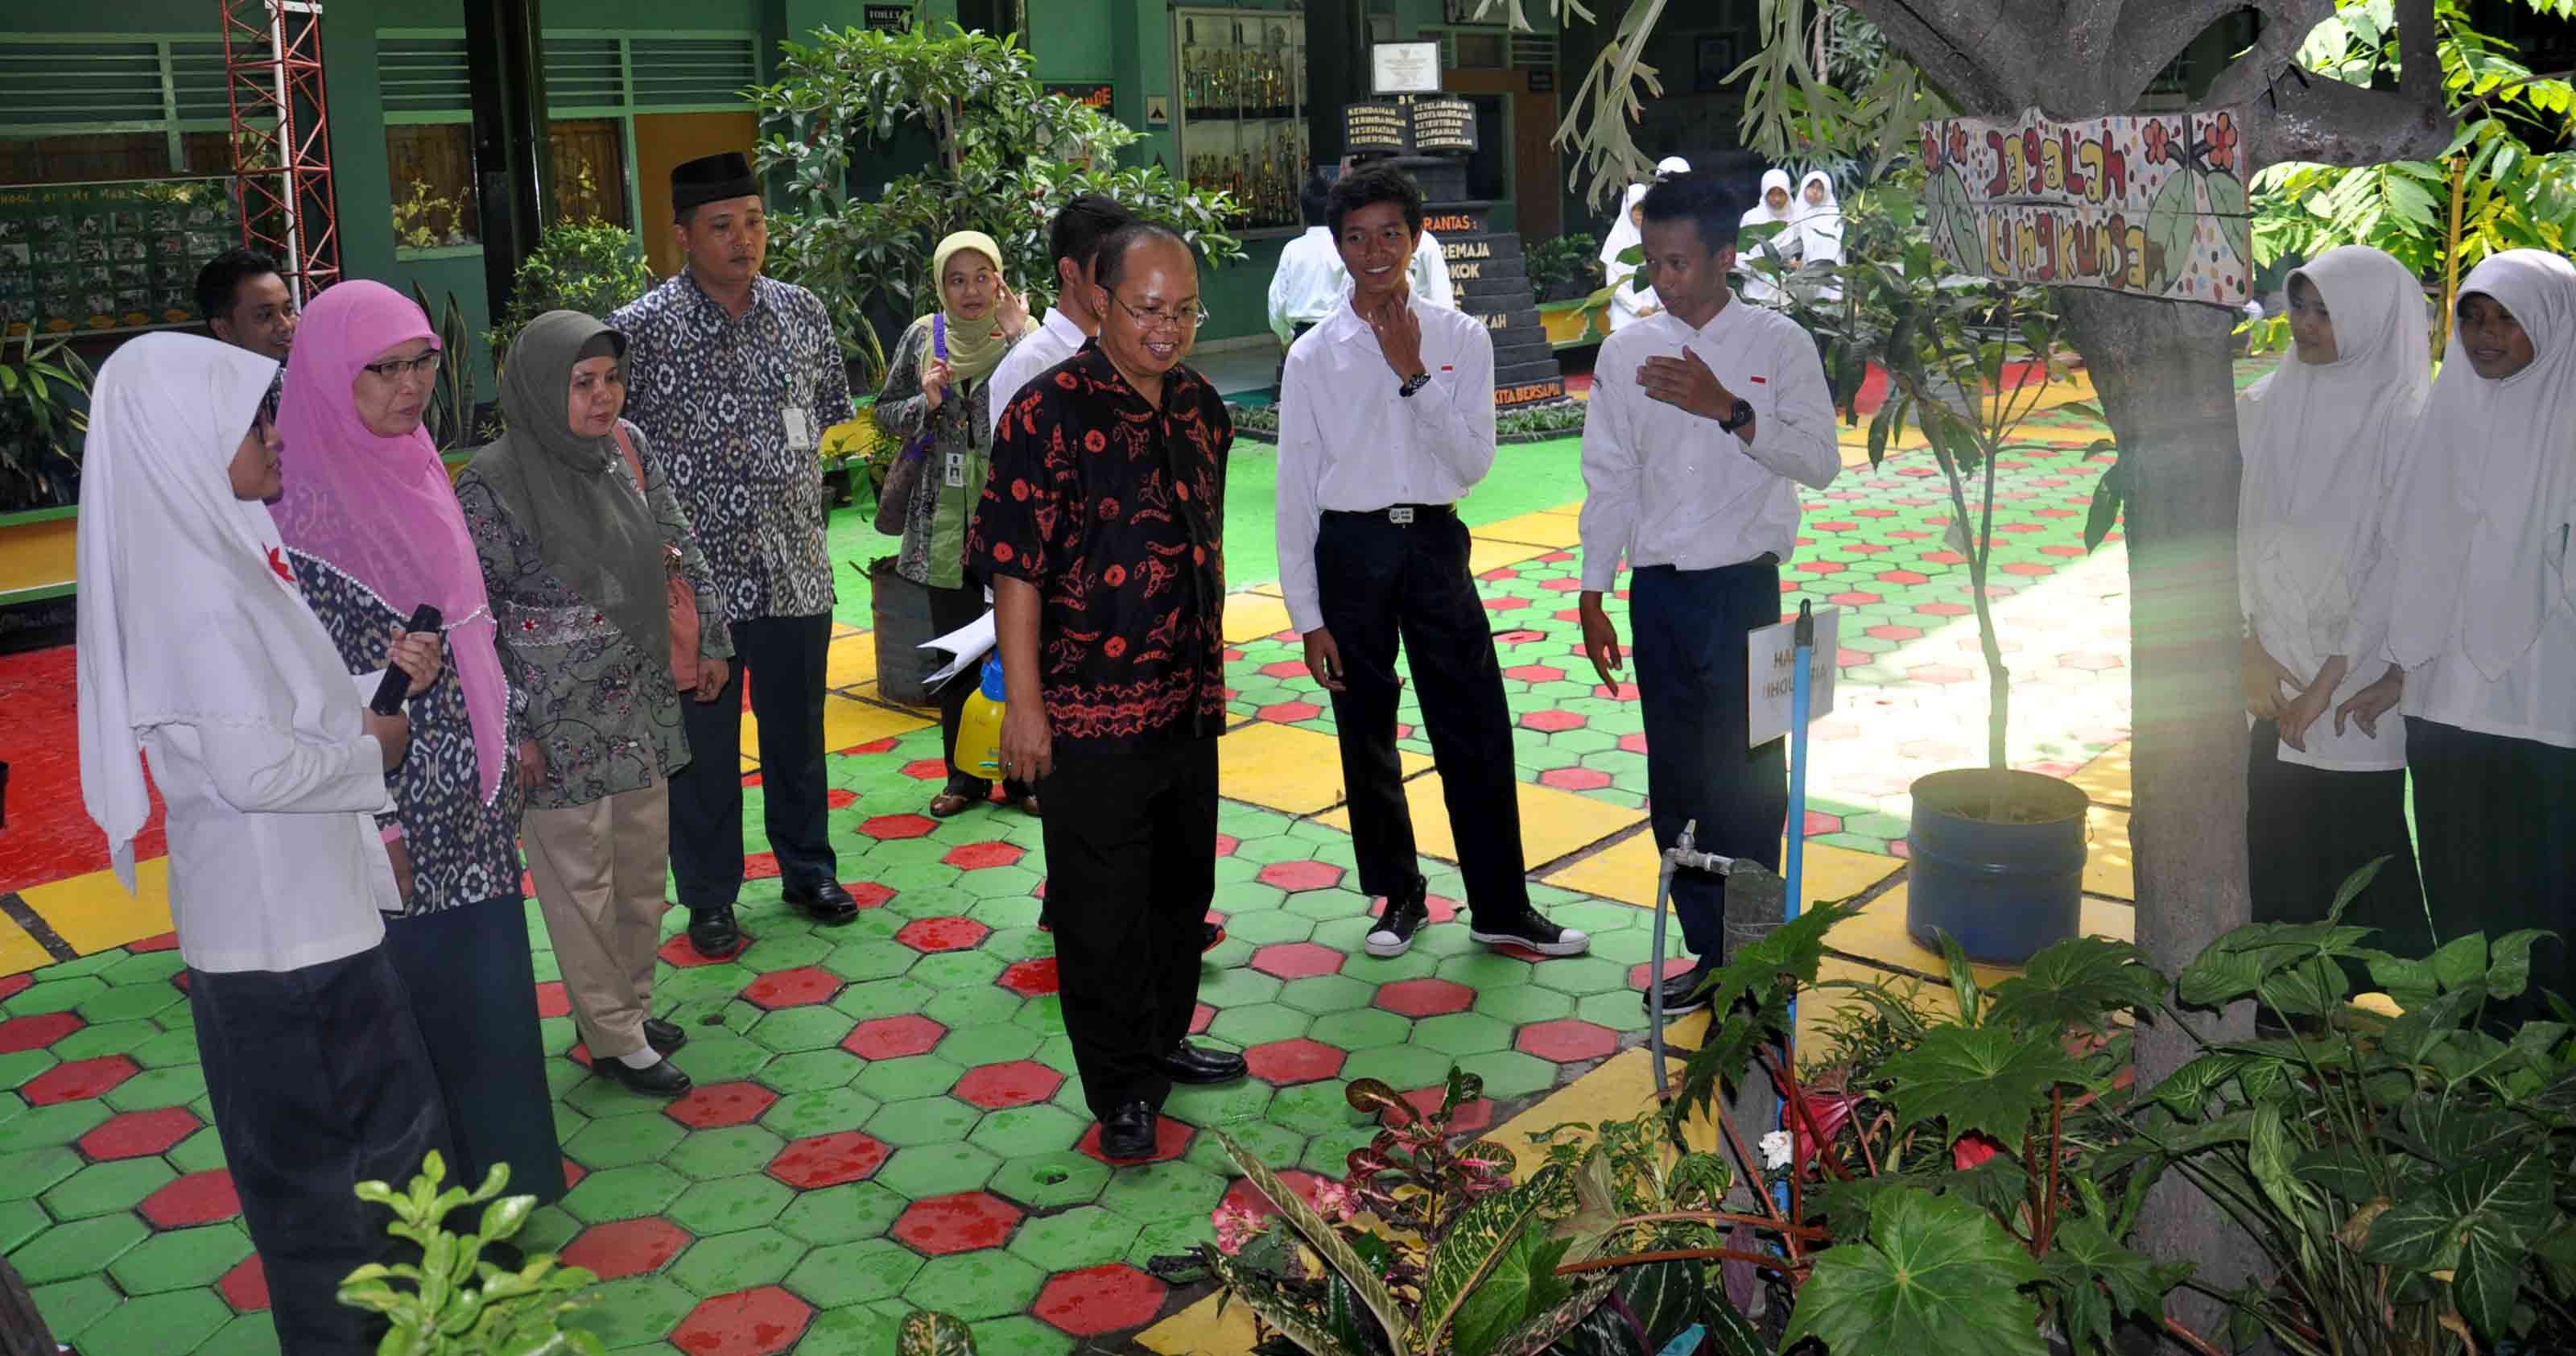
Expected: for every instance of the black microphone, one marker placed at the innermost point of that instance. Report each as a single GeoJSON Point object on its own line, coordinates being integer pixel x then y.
{"type": "Point", "coordinates": [397, 684]}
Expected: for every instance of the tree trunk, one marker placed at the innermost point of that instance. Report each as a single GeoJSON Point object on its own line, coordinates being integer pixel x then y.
{"type": "Point", "coordinates": [2165, 373]}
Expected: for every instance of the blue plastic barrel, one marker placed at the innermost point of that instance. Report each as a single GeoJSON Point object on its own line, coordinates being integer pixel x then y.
{"type": "Point", "coordinates": [2003, 890]}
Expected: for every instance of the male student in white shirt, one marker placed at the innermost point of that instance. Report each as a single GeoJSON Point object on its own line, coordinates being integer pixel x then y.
{"type": "Point", "coordinates": [1431, 273]}
{"type": "Point", "coordinates": [1386, 421]}
{"type": "Point", "coordinates": [1310, 282]}
{"type": "Point", "coordinates": [1072, 239]}
{"type": "Point", "coordinates": [1703, 423]}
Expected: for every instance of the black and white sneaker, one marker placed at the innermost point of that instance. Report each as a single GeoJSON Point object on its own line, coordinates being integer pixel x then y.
{"type": "Point", "coordinates": [1528, 929]}
{"type": "Point", "coordinates": [1684, 992]}
{"type": "Point", "coordinates": [1393, 935]}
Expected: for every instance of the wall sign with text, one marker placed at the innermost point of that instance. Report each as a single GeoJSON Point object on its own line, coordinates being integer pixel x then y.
{"type": "Point", "coordinates": [2152, 205]}
{"type": "Point", "coordinates": [888, 18]}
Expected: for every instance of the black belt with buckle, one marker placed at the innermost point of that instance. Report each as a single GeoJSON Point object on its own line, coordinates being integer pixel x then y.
{"type": "Point", "coordinates": [1402, 515]}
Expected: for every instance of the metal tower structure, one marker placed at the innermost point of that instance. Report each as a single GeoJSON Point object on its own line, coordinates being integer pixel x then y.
{"type": "Point", "coordinates": [281, 138]}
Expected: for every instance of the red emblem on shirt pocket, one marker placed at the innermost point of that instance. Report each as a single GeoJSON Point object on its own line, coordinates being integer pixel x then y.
{"type": "Point", "coordinates": [1760, 381]}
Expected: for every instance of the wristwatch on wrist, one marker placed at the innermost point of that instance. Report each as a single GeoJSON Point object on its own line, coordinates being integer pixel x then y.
{"type": "Point", "coordinates": [1413, 383]}
{"type": "Point", "coordinates": [1737, 416]}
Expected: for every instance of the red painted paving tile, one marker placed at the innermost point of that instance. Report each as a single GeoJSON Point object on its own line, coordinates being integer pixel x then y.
{"type": "Point", "coordinates": [1285, 668]}
{"type": "Point", "coordinates": [573, 1173]}
{"type": "Point", "coordinates": [759, 1322]}
{"type": "Point", "coordinates": [829, 1160]}
{"type": "Point", "coordinates": [1496, 576]}
{"type": "Point", "coordinates": [1226, 843]}
{"type": "Point", "coordinates": [245, 1287]}
{"type": "Point", "coordinates": [1243, 1195]}
{"type": "Point", "coordinates": [1625, 692]}
{"type": "Point", "coordinates": [1534, 673]}
{"type": "Point", "coordinates": [1552, 721]}
{"type": "Point", "coordinates": [997, 1087]}
{"type": "Point", "coordinates": [1893, 632]}
{"type": "Point", "coordinates": [760, 866]}
{"type": "Point", "coordinates": [885, 745]}
{"type": "Point", "coordinates": [138, 1134]}
{"type": "Point", "coordinates": [1171, 1140]}
{"type": "Point", "coordinates": [78, 1081]}
{"type": "Point", "coordinates": [628, 1247]}
{"type": "Point", "coordinates": [1557, 557]}
{"type": "Point", "coordinates": [960, 1223]}
{"type": "Point", "coordinates": [1294, 1061]}
{"type": "Point", "coordinates": [1470, 1117]}
{"type": "Point", "coordinates": [1200, 1016]}
{"type": "Point", "coordinates": [2096, 663]}
{"type": "Point", "coordinates": [1297, 960]}
{"type": "Point", "coordinates": [977, 856]}
{"type": "Point", "coordinates": [942, 934]}
{"type": "Point", "coordinates": [802, 986]}
{"type": "Point", "coordinates": [35, 1033]}
{"type": "Point", "coordinates": [869, 894]}
{"type": "Point", "coordinates": [167, 941]}
{"type": "Point", "coordinates": [1425, 997]}
{"type": "Point", "coordinates": [1030, 978]}
{"type": "Point", "coordinates": [198, 1198]}
{"type": "Point", "coordinates": [678, 952]}
{"type": "Point", "coordinates": [1574, 778]}
{"type": "Point", "coordinates": [1819, 822]}
{"type": "Point", "coordinates": [927, 769]}
{"type": "Point", "coordinates": [893, 1037]}
{"type": "Point", "coordinates": [1944, 609]}
{"type": "Point", "coordinates": [1632, 743]}
{"type": "Point", "coordinates": [709, 1105]}
{"type": "Point", "coordinates": [1943, 674]}
{"type": "Point", "coordinates": [1673, 965]}
{"type": "Point", "coordinates": [1100, 1299]}
{"type": "Point", "coordinates": [1289, 713]}
{"type": "Point", "coordinates": [1521, 637]}
{"type": "Point", "coordinates": [1505, 604]}
{"type": "Point", "coordinates": [840, 798]}
{"type": "Point", "coordinates": [1567, 1040]}
{"type": "Point", "coordinates": [898, 826]}
{"type": "Point", "coordinates": [1303, 875]}
{"type": "Point", "coordinates": [553, 1000]}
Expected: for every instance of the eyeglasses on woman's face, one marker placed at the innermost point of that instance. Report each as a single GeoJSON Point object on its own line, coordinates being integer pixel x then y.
{"type": "Point", "coordinates": [424, 368]}
{"type": "Point", "coordinates": [1189, 316]}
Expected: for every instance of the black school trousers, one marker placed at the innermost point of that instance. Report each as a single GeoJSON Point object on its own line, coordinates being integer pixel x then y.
{"type": "Point", "coordinates": [783, 659]}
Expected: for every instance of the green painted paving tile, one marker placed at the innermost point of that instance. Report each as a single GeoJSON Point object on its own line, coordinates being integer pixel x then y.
{"type": "Point", "coordinates": [730, 1204]}
{"type": "Point", "coordinates": [245, 1335]}
{"type": "Point", "coordinates": [1048, 1181]}
{"type": "Point", "coordinates": [841, 1214]}
{"type": "Point", "coordinates": [860, 961]}
{"type": "Point", "coordinates": [1044, 1015]}
{"type": "Point", "coordinates": [200, 1152]}
{"type": "Point", "coordinates": [174, 1322]}
{"type": "Point", "coordinates": [895, 1080]}
{"type": "Point", "coordinates": [69, 1307]}
{"type": "Point", "coordinates": [1021, 1335]}
{"type": "Point", "coordinates": [30, 1172]}
{"type": "Point", "coordinates": [633, 1310]}
{"type": "Point", "coordinates": [110, 1038]}
{"type": "Point", "coordinates": [1329, 1154]}
{"type": "Point", "coordinates": [60, 991]}
{"type": "Point", "coordinates": [987, 1283]}
{"type": "Point", "coordinates": [181, 1258]}
{"type": "Point", "coordinates": [997, 1042]}
{"type": "Point", "coordinates": [1218, 1104]}
{"type": "Point", "coordinates": [922, 1120]}
{"type": "Point", "coordinates": [1458, 1033]}
{"type": "Point", "coordinates": [743, 1260]}
{"type": "Point", "coordinates": [1024, 1132]}
{"type": "Point", "coordinates": [153, 1089]}
{"type": "Point", "coordinates": [80, 1248]}
{"type": "Point", "coordinates": [1258, 1023]}
{"type": "Point", "coordinates": [854, 1273]}
{"type": "Point", "coordinates": [714, 1056]}
{"type": "Point", "coordinates": [722, 1152]}
{"type": "Point", "coordinates": [976, 1005]}
{"type": "Point", "coordinates": [1360, 1030]}
{"type": "Point", "coordinates": [20, 1221]}
{"type": "Point", "coordinates": [884, 998]}
{"type": "Point", "coordinates": [923, 1171]}
{"type": "Point", "coordinates": [1153, 1192]}
{"type": "Point", "coordinates": [856, 1330]}
{"type": "Point", "coordinates": [625, 1193]}
{"type": "Point", "coordinates": [1509, 1073]}
{"type": "Point", "coordinates": [1169, 1238]}
{"type": "Point", "coordinates": [621, 1141]}
{"type": "Point", "coordinates": [105, 1187]}
{"type": "Point", "coordinates": [131, 1002]}
{"type": "Point", "coordinates": [791, 1030]}
{"type": "Point", "coordinates": [810, 1071]}
{"type": "Point", "coordinates": [1399, 1066]}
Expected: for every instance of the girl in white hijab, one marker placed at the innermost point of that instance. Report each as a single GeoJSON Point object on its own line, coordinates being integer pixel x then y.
{"type": "Point", "coordinates": [1819, 217]}
{"type": "Point", "coordinates": [2325, 437]}
{"type": "Point", "coordinates": [1774, 209]}
{"type": "Point", "coordinates": [2483, 624]}
{"type": "Point", "coordinates": [1633, 298]}
{"type": "Point", "coordinates": [196, 647]}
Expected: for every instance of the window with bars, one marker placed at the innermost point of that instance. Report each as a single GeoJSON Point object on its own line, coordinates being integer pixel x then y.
{"type": "Point", "coordinates": [86, 110]}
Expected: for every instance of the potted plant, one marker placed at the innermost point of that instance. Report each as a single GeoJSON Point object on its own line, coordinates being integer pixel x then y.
{"type": "Point", "coordinates": [1998, 853]}
{"type": "Point", "coordinates": [44, 411]}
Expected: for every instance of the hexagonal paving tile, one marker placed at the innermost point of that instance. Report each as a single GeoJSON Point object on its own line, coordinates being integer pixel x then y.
{"type": "Point", "coordinates": [1100, 1299]}
{"type": "Point", "coordinates": [1294, 876]}
{"type": "Point", "coordinates": [995, 1087]}
{"type": "Point", "coordinates": [78, 1080]}
{"type": "Point", "coordinates": [1567, 1040]}
{"type": "Point", "coordinates": [715, 1104]}
{"type": "Point", "coordinates": [795, 987]}
{"type": "Point", "coordinates": [861, 1271]}
{"type": "Point", "coordinates": [737, 1261]}
{"type": "Point", "coordinates": [1293, 1061]}
{"type": "Point", "coordinates": [893, 1037]}
{"type": "Point", "coordinates": [942, 934]}
{"type": "Point", "coordinates": [1425, 997]}
{"type": "Point", "coordinates": [938, 1169]}
{"type": "Point", "coordinates": [198, 1198]}
{"type": "Point", "coordinates": [829, 1160]}
{"type": "Point", "coordinates": [626, 1247]}
{"type": "Point", "coordinates": [960, 1223]}
{"type": "Point", "coordinates": [755, 1322]}
{"type": "Point", "coordinates": [975, 1285]}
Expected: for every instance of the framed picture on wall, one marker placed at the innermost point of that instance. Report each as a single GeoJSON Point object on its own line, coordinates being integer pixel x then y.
{"type": "Point", "coordinates": [1717, 57]}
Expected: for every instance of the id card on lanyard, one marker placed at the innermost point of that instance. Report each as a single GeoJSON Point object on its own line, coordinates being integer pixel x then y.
{"type": "Point", "coordinates": [952, 473]}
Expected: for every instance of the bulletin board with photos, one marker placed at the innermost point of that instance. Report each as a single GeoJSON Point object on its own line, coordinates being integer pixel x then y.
{"type": "Point", "coordinates": [103, 258]}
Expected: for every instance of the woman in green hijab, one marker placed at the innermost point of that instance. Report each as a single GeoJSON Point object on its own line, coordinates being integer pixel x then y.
{"type": "Point", "coordinates": [579, 536]}
{"type": "Point", "coordinates": [936, 391]}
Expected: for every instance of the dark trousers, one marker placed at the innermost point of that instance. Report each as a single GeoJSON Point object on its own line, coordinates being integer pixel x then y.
{"type": "Point", "coordinates": [949, 610]}
{"type": "Point", "coordinates": [783, 659]}
{"type": "Point", "coordinates": [1378, 582]}
{"type": "Point", "coordinates": [2491, 818]}
{"type": "Point", "coordinates": [473, 989]}
{"type": "Point", "coordinates": [319, 1082]}
{"type": "Point", "coordinates": [1131, 866]}
{"type": "Point", "coordinates": [1689, 629]}
{"type": "Point", "coordinates": [2307, 829]}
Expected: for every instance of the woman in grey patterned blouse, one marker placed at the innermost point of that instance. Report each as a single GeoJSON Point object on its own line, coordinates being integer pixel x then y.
{"type": "Point", "coordinates": [577, 553]}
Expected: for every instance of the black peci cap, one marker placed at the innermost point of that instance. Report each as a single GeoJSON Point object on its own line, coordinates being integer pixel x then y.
{"type": "Point", "coordinates": [712, 178]}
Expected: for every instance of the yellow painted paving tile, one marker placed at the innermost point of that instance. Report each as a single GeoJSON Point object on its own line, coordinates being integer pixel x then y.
{"type": "Point", "coordinates": [1550, 529]}
{"type": "Point", "coordinates": [1625, 871]}
{"type": "Point", "coordinates": [846, 723]}
{"type": "Point", "coordinates": [1553, 823]}
{"type": "Point", "coordinates": [18, 951]}
{"type": "Point", "coordinates": [2106, 778]}
{"type": "Point", "coordinates": [94, 912]}
{"type": "Point", "coordinates": [852, 660]}
{"type": "Point", "coordinates": [1200, 1330]}
{"type": "Point", "coordinates": [1281, 767]}
{"type": "Point", "coordinates": [1879, 935]}
{"type": "Point", "coordinates": [1483, 555]}
{"type": "Point", "coordinates": [2110, 868]}
{"type": "Point", "coordinates": [1253, 616]}
{"type": "Point", "coordinates": [1271, 590]}
{"type": "Point", "coordinates": [1573, 510]}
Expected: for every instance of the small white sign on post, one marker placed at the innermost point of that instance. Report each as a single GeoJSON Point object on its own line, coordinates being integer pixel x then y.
{"type": "Point", "coordinates": [1771, 673]}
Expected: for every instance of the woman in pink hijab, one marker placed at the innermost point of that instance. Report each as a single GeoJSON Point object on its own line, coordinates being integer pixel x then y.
{"type": "Point", "coordinates": [373, 530]}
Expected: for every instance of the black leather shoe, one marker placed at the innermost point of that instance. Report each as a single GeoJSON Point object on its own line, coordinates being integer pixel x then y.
{"type": "Point", "coordinates": [1682, 992]}
{"type": "Point", "coordinates": [826, 903]}
{"type": "Point", "coordinates": [662, 1078]}
{"type": "Point", "coordinates": [1211, 935]}
{"type": "Point", "coordinates": [664, 1036]}
{"type": "Point", "coordinates": [713, 933]}
{"type": "Point", "coordinates": [1128, 1135]}
{"type": "Point", "coordinates": [1187, 1063]}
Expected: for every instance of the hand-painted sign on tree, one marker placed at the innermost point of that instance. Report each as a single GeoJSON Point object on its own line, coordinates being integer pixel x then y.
{"type": "Point", "coordinates": [2152, 205]}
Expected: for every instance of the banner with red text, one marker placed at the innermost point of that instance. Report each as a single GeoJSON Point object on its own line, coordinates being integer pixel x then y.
{"type": "Point", "coordinates": [2154, 205]}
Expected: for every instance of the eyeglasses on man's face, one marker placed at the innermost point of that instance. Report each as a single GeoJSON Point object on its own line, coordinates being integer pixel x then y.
{"type": "Point", "coordinates": [1189, 317]}
{"type": "Point", "coordinates": [423, 367]}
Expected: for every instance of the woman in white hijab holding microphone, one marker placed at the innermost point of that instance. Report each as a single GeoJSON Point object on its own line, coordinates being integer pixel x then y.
{"type": "Point", "coordinates": [196, 648]}
{"type": "Point", "coordinates": [2483, 628]}
{"type": "Point", "coordinates": [2326, 438]}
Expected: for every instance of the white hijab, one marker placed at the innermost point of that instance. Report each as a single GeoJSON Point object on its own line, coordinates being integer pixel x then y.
{"type": "Point", "coordinates": [1819, 225]}
{"type": "Point", "coordinates": [1756, 286]}
{"type": "Point", "coordinates": [2324, 445]}
{"type": "Point", "coordinates": [1625, 234]}
{"type": "Point", "coordinates": [2484, 533]}
{"type": "Point", "coordinates": [187, 613]}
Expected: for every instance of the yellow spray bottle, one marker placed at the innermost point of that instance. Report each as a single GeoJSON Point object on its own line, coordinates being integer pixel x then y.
{"type": "Point", "coordinates": [979, 727]}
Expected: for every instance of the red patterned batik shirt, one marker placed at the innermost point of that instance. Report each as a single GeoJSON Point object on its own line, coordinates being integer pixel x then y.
{"type": "Point", "coordinates": [1115, 511]}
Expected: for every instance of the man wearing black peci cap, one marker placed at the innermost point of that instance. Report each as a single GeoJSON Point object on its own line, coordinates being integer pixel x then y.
{"type": "Point", "coordinates": [733, 377]}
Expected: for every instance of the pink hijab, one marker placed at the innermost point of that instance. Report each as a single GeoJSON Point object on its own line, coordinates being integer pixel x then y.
{"type": "Point", "coordinates": [381, 510]}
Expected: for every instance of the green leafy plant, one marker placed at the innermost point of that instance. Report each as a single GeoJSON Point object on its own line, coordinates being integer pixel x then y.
{"type": "Point", "coordinates": [2405, 1176]}
{"type": "Point", "coordinates": [1006, 155]}
{"type": "Point", "coordinates": [592, 267]}
{"type": "Point", "coordinates": [44, 412]}
{"type": "Point", "coordinates": [456, 1303]}
{"type": "Point", "coordinates": [1558, 418]}
{"type": "Point", "coordinates": [449, 415]}
{"type": "Point", "coordinates": [934, 1335]}
{"type": "Point", "coordinates": [1569, 265]}
{"type": "Point", "coordinates": [428, 220]}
